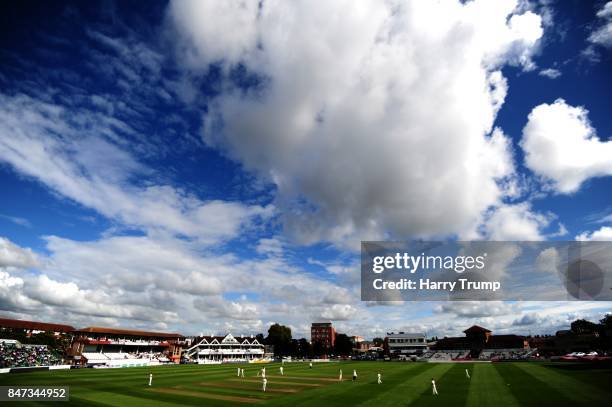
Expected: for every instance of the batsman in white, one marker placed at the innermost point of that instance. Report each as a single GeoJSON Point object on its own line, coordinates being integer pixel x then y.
{"type": "Point", "coordinates": [354, 375]}
{"type": "Point", "coordinates": [238, 374]}
{"type": "Point", "coordinates": [379, 378]}
{"type": "Point", "coordinates": [282, 371]}
{"type": "Point", "coordinates": [340, 376]}
{"type": "Point", "coordinates": [150, 379]}
{"type": "Point", "coordinates": [433, 387]}
{"type": "Point", "coordinates": [264, 382]}
{"type": "Point", "coordinates": [467, 373]}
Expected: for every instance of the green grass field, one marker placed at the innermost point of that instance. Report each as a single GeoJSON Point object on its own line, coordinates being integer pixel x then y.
{"type": "Point", "coordinates": [492, 384]}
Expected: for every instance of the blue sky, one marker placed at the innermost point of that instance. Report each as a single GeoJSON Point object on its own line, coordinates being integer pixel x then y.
{"type": "Point", "coordinates": [212, 167]}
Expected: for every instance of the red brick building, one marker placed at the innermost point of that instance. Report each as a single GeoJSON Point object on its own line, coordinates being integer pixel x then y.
{"type": "Point", "coordinates": [323, 333]}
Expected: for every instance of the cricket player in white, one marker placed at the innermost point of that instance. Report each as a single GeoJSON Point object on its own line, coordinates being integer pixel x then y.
{"type": "Point", "coordinates": [354, 375]}
{"type": "Point", "coordinates": [433, 387]}
{"type": "Point", "coordinates": [379, 378]}
{"type": "Point", "coordinates": [467, 374]}
{"type": "Point", "coordinates": [150, 379]}
{"type": "Point", "coordinates": [264, 382]}
{"type": "Point", "coordinates": [242, 373]}
{"type": "Point", "coordinates": [238, 374]}
{"type": "Point", "coordinates": [340, 377]}
{"type": "Point", "coordinates": [282, 372]}
{"type": "Point", "coordinates": [310, 365]}
{"type": "Point", "coordinates": [263, 372]}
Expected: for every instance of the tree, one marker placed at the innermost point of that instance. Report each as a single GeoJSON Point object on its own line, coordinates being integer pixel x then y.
{"type": "Point", "coordinates": [260, 338]}
{"type": "Point", "coordinates": [605, 332]}
{"type": "Point", "coordinates": [318, 349]}
{"type": "Point", "coordinates": [304, 348]}
{"type": "Point", "coordinates": [280, 337]}
{"type": "Point", "coordinates": [582, 326]}
{"type": "Point", "coordinates": [343, 345]}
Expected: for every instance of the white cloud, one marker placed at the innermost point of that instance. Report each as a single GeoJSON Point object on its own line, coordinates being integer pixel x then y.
{"type": "Point", "coordinates": [271, 247]}
{"type": "Point", "coordinates": [604, 233]}
{"type": "Point", "coordinates": [514, 222]}
{"type": "Point", "coordinates": [12, 255]}
{"type": "Point", "coordinates": [562, 231]}
{"type": "Point", "coordinates": [605, 219]}
{"type": "Point", "coordinates": [550, 73]}
{"type": "Point", "coordinates": [603, 34]}
{"type": "Point", "coordinates": [45, 142]}
{"type": "Point", "coordinates": [338, 312]}
{"type": "Point", "coordinates": [561, 146]}
{"type": "Point", "coordinates": [17, 220]}
{"type": "Point", "coordinates": [135, 264]}
{"type": "Point", "coordinates": [136, 281]}
{"type": "Point", "coordinates": [35, 295]}
{"type": "Point", "coordinates": [206, 44]}
{"type": "Point", "coordinates": [548, 261]}
{"type": "Point", "coordinates": [359, 121]}
{"type": "Point", "coordinates": [527, 319]}
{"type": "Point", "coordinates": [217, 308]}
{"type": "Point", "coordinates": [11, 298]}
{"type": "Point", "coordinates": [145, 280]}
{"type": "Point", "coordinates": [475, 309]}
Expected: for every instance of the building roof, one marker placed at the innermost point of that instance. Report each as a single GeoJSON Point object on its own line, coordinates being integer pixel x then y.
{"type": "Point", "coordinates": [321, 324]}
{"type": "Point", "coordinates": [406, 334]}
{"type": "Point", "coordinates": [34, 325]}
{"type": "Point", "coordinates": [227, 339]}
{"type": "Point", "coordinates": [127, 332]}
{"type": "Point", "coordinates": [476, 328]}
{"type": "Point", "coordinates": [453, 343]}
{"type": "Point", "coordinates": [503, 337]}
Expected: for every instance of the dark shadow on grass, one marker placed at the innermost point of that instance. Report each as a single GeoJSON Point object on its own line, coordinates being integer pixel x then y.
{"type": "Point", "coordinates": [528, 390]}
{"type": "Point", "coordinates": [585, 373]}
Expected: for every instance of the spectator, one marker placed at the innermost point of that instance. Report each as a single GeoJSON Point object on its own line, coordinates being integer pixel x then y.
{"type": "Point", "coordinates": [12, 355]}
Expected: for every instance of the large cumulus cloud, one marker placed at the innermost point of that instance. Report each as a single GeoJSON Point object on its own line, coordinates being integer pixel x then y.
{"type": "Point", "coordinates": [372, 119]}
{"type": "Point", "coordinates": [563, 148]}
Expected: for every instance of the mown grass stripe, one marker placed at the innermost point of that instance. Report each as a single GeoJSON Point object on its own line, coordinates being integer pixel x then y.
{"type": "Point", "coordinates": [488, 388]}
{"type": "Point", "coordinates": [405, 386]}
{"type": "Point", "coordinates": [567, 386]}
{"type": "Point", "coordinates": [527, 389]}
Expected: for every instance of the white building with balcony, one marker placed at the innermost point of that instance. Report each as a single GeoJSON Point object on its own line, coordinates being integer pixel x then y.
{"type": "Point", "coordinates": [224, 349]}
{"type": "Point", "coordinates": [404, 343]}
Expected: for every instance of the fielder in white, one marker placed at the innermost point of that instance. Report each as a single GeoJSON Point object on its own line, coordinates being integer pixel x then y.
{"type": "Point", "coordinates": [282, 371]}
{"type": "Point", "coordinates": [263, 383]}
{"type": "Point", "coordinates": [433, 387]}
{"type": "Point", "coordinates": [340, 377]}
{"type": "Point", "coordinates": [150, 379]}
{"type": "Point", "coordinates": [467, 374]}
{"type": "Point", "coordinates": [354, 375]}
{"type": "Point", "coordinates": [242, 373]}
{"type": "Point", "coordinates": [263, 372]}
{"type": "Point", "coordinates": [310, 365]}
{"type": "Point", "coordinates": [379, 378]}
{"type": "Point", "coordinates": [238, 374]}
